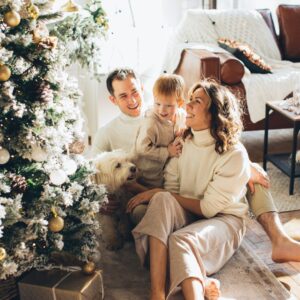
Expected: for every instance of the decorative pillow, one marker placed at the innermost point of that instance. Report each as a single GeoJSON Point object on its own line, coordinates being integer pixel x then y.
{"type": "Point", "coordinates": [232, 69]}
{"type": "Point", "coordinates": [243, 52]}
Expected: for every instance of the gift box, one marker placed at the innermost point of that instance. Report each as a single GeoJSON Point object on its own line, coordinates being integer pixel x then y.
{"type": "Point", "coordinates": [59, 284]}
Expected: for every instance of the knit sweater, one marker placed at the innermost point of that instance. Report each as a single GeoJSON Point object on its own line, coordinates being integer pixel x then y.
{"type": "Point", "coordinates": [151, 146]}
{"type": "Point", "coordinates": [217, 180]}
{"type": "Point", "coordinates": [119, 133]}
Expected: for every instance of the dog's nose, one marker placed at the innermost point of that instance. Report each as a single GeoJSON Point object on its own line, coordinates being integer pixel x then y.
{"type": "Point", "coordinates": [132, 169]}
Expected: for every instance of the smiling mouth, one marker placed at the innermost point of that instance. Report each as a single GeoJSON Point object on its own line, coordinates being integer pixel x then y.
{"type": "Point", "coordinates": [134, 107]}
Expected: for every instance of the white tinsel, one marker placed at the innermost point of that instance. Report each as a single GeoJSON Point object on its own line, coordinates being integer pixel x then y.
{"type": "Point", "coordinates": [9, 268]}
{"type": "Point", "coordinates": [67, 199]}
{"type": "Point", "coordinates": [59, 244]}
{"type": "Point", "coordinates": [5, 54]}
{"type": "Point", "coordinates": [23, 252]}
{"type": "Point", "coordinates": [2, 212]}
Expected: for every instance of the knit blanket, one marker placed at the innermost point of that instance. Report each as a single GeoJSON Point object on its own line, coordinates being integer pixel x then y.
{"type": "Point", "coordinates": [201, 29]}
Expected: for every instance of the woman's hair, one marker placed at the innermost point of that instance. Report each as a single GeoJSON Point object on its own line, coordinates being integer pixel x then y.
{"type": "Point", "coordinates": [170, 85]}
{"type": "Point", "coordinates": [226, 123]}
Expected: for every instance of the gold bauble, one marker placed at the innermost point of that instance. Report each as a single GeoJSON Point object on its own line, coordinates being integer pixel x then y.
{"type": "Point", "coordinates": [88, 268]}
{"type": "Point", "coordinates": [2, 253]}
{"type": "Point", "coordinates": [70, 6]}
{"type": "Point", "coordinates": [56, 224]}
{"type": "Point", "coordinates": [33, 11]}
{"type": "Point", "coordinates": [12, 18]}
{"type": "Point", "coordinates": [4, 73]}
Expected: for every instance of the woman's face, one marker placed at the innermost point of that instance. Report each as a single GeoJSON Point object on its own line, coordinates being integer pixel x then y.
{"type": "Point", "coordinates": [198, 116]}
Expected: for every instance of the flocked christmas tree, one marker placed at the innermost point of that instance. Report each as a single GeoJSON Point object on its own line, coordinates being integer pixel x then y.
{"type": "Point", "coordinates": [47, 200]}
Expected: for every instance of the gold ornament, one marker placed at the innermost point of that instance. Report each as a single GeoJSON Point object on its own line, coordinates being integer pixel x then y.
{"type": "Point", "coordinates": [70, 6]}
{"type": "Point", "coordinates": [12, 18]}
{"type": "Point", "coordinates": [4, 73]}
{"type": "Point", "coordinates": [33, 11]}
{"type": "Point", "coordinates": [88, 268]}
{"type": "Point", "coordinates": [2, 253]}
{"type": "Point", "coordinates": [56, 224]}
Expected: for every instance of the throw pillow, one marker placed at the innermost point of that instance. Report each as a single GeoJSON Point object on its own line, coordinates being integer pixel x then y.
{"type": "Point", "coordinates": [243, 52]}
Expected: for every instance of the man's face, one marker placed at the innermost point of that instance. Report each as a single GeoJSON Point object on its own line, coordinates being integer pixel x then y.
{"type": "Point", "coordinates": [128, 96]}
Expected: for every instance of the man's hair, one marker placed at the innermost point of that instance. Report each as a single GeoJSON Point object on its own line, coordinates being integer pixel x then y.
{"type": "Point", "coordinates": [118, 74]}
{"type": "Point", "coordinates": [169, 85]}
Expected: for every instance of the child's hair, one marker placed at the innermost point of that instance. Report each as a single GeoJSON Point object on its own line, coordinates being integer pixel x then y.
{"type": "Point", "coordinates": [169, 85]}
{"type": "Point", "coordinates": [226, 123]}
{"type": "Point", "coordinates": [119, 74]}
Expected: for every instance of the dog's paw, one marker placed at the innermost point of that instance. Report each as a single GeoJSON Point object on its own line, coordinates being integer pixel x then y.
{"type": "Point", "coordinates": [114, 244]}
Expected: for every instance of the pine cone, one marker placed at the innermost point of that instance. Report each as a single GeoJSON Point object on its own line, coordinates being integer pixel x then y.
{"type": "Point", "coordinates": [49, 42]}
{"type": "Point", "coordinates": [18, 183]}
{"type": "Point", "coordinates": [44, 93]}
{"type": "Point", "coordinates": [77, 147]}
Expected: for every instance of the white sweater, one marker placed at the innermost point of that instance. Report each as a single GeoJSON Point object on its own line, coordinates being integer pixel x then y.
{"type": "Point", "coordinates": [120, 133]}
{"type": "Point", "coordinates": [217, 180]}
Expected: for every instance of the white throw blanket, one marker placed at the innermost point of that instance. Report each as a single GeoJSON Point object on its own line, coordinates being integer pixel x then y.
{"type": "Point", "coordinates": [197, 31]}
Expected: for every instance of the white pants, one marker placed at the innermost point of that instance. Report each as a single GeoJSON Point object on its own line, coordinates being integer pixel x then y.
{"type": "Point", "coordinates": [196, 248]}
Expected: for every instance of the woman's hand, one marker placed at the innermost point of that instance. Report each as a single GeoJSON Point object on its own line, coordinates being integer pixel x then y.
{"type": "Point", "coordinates": [140, 198]}
{"type": "Point", "coordinates": [258, 175]}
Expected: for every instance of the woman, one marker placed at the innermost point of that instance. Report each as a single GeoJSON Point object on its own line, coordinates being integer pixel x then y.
{"type": "Point", "coordinates": [199, 224]}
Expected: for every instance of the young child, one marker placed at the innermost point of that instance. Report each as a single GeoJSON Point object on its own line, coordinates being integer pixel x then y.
{"type": "Point", "coordinates": [158, 137]}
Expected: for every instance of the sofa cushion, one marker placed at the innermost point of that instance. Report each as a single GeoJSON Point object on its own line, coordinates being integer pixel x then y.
{"type": "Point", "coordinates": [231, 69]}
{"type": "Point", "coordinates": [289, 25]}
{"type": "Point", "coordinates": [243, 52]}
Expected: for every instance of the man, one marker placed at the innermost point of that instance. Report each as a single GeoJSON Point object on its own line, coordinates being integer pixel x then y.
{"type": "Point", "coordinates": [126, 92]}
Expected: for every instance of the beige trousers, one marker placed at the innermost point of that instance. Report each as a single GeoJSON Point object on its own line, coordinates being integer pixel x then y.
{"type": "Point", "coordinates": [260, 202]}
{"type": "Point", "coordinates": [196, 247]}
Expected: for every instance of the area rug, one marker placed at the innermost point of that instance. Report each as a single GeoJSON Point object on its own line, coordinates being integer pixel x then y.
{"type": "Point", "coordinates": [280, 190]}
{"type": "Point", "coordinates": [244, 277]}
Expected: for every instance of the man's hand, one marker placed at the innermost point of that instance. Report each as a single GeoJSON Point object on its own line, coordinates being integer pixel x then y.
{"type": "Point", "coordinates": [258, 175]}
{"type": "Point", "coordinates": [111, 207]}
{"type": "Point", "coordinates": [140, 198]}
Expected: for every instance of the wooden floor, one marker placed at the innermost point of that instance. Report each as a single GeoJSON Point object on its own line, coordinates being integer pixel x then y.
{"type": "Point", "coordinates": [287, 273]}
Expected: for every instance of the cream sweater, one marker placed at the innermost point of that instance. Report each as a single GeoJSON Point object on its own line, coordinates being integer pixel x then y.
{"type": "Point", "coordinates": [151, 146]}
{"type": "Point", "coordinates": [120, 133]}
{"type": "Point", "coordinates": [218, 181]}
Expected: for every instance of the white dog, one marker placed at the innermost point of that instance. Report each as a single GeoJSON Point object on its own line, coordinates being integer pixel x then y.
{"type": "Point", "coordinates": [114, 169]}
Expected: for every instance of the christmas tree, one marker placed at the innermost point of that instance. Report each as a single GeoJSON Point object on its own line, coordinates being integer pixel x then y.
{"type": "Point", "coordinates": [48, 202]}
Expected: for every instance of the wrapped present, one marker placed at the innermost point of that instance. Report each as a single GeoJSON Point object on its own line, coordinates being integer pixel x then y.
{"type": "Point", "coordinates": [59, 284]}
{"type": "Point", "coordinates": [8, 289]}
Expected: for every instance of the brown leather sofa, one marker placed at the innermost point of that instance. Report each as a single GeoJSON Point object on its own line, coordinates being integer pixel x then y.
{"type": "Point", "coordinates": [197, 64]}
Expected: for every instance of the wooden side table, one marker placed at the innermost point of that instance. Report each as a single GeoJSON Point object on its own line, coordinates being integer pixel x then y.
{"type": "Point", "coordinates": [284, 161]}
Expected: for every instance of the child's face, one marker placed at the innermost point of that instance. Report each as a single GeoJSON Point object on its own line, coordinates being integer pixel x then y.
{"type": "Point", "coordinates": [128, 96]}
{"type": "Point", "coordinates": [165, 107]}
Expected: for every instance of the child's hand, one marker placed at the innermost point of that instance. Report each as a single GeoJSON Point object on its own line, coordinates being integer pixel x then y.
{"type": "Point", "coordinates": [175, 148]}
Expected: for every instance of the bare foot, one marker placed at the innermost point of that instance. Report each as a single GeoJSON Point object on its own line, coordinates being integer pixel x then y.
{"type": "Point", "coordinates": [212, 289]}
{"type": "Point", "coordinates": [286, 250]}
